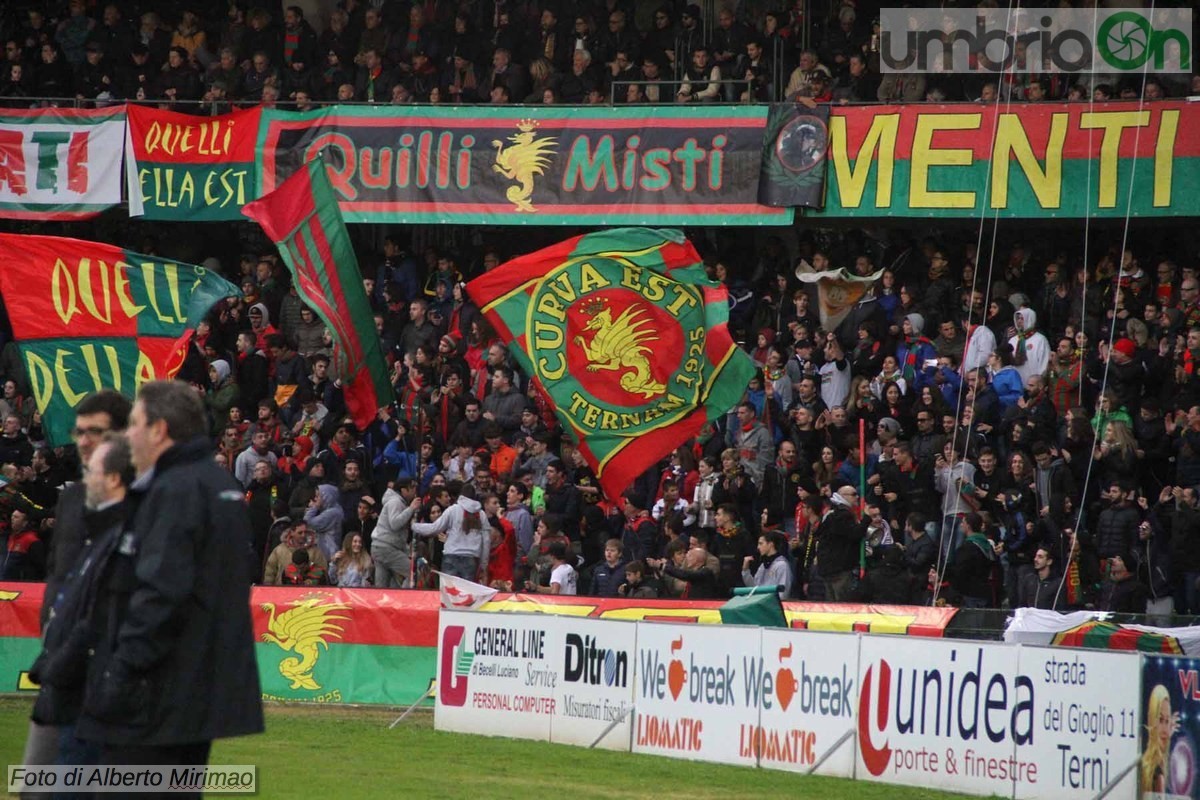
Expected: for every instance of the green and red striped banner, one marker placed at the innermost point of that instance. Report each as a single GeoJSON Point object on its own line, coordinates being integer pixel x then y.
{"type": "Point", "coordinates": [627, 336]}
{"type": "Point", "coordinates": [302, 218]}
{"type": "Point", "coordinates": [1111, 636]}
{"type": "Point", "coordinates": [184, 167]}
{"type": "Point", "coordinates": [89, 316]}
{"type": "Point", "coordinates": [1037, 160]}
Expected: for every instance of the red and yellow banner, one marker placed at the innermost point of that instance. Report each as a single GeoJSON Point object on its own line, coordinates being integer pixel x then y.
{"type": "Point", "coordinates": [88, 316]}
{"type": "Point", "coordinates": [184, 167]}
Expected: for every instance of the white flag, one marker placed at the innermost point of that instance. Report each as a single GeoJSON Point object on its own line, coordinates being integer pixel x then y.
{"type": "Point", "coordinates": [463, 594]}
{"type": "Point", "coordinates": [838, 291]}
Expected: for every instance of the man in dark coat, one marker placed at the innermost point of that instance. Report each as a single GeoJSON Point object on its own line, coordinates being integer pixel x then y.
{"type": "Point", "coordinates": [838, 539]}
{"type": "Point", "coordinates": [61, 667]}
{"type": "Point", "coordinates": [173, 610]}
{"type": "Point", "coordinates": [95, 416]}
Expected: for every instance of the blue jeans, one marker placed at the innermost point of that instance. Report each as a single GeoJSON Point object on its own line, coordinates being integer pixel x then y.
{"type": "Point", "coordinates": [465, 567]}
{"type": "Point", "coordinates": [951, 536]}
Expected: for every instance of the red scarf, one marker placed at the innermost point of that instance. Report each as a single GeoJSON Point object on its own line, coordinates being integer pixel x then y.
{"type": "Point", "coordinates": [444, 402]}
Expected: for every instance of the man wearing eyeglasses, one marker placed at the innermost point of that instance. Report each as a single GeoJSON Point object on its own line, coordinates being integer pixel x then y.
{"type": "Point", "coordinates": [95, 417]}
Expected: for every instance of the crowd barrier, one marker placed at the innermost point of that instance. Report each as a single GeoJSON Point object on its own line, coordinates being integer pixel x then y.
{"type": "Point", "coordinates": [983, 718]}
{"type": "Point", "coordinates": [381, 645]}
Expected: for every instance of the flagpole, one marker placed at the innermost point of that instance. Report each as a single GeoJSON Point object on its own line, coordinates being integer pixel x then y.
{"type": "Point", "coordinates": [862, 491]}
{"type": "Point", "coordinates": [862, 459]}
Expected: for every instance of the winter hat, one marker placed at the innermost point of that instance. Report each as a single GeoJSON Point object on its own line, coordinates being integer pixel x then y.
{"type": "Point", "coordinates": [1125, 347]}
{"type": "Point", "coordinates": [451, 340]}
{"type": "Point", "coordinates": [890, 425]}
{"type": "Point", "coordinates": [917, 322]}
{"type": "Point", "coordinates": [221, 367]}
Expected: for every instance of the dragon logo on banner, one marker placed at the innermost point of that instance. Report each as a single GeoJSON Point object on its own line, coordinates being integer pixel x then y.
{"type": "Point", "coordinates": [524, 158]}
{"type": "Point", "coordinates": [621, 344]}
{"type": "Point", "coordinates": [303, 629]}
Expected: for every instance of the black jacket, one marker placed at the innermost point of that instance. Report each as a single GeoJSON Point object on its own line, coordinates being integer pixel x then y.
{"type": "Point", "coordinates": [174, 654]}
{"type": "Point", "coordinates": [779, 488]}
{"type": "Point", "coordinates": [702, 583]}
{"type": "Point", "coordinates": [66, 540]}
{"type": "Point", "coordinates": [62, 665]}
{"type": "Point", "coordinates": [971, 570]}
{"type": "Point", "coordinates": [1116, 527]}
{"type": "Point", "coordinates": [838, 539]}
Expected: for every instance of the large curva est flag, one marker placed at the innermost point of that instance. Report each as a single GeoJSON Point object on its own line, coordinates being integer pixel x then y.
{"type": "Point", "coordinates": [302, 218]}
{"type": "Point", "coordinates": [89, 316]}
{"type": "Point", "coordinates": [627, 336]}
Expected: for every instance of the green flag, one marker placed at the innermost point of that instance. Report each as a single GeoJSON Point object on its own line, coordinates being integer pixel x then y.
{"type": "Point", "coordinates": [302, 218]}
{"type": "Point", "coordinates": [89, 316]}
{"type": "Point", "coordinates": [626, 335]}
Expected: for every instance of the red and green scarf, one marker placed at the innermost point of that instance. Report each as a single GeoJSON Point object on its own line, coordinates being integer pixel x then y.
{"type": "Point", "coordinates": [913, 343]}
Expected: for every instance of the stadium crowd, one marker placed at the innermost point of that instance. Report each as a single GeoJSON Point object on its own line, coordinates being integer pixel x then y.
{"type": "Point", "coordinates": [1032, 419]}
{"type": "Point", "coordinates": [176, 54]}
{"type": "Point", "coordinates": [1032, 430]}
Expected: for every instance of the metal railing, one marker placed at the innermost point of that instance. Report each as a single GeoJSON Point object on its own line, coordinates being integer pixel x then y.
{"type": "Point", "coordinates": [729, 86]}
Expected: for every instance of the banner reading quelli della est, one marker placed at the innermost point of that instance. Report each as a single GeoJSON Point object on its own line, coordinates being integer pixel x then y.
{"type": "Point", "coordinates": [182, 167]}
{"type": "Point", "coordinates": [89, 316]}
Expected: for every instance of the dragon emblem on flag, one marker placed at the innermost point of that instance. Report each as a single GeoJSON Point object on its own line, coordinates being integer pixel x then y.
{"type": "Point", "coordinates": [303, 629]}
{"type": "Point", "coordinates": [621, 344]}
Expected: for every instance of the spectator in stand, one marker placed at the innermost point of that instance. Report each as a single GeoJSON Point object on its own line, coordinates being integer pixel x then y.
{"type": "Point", "coordinates": [351, 566]}
{"type": "Point", "coordinates": [609, 575]}
{"type": "Point", "coordinates": [773, 567]}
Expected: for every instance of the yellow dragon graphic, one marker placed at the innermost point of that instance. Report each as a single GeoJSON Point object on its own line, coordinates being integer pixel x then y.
{"type": "Point", "coordinates": [521, 160]}
{"type": "Point", "coordinates": [303, 629]}
{"type": "Point", "coordinates": [620, 344]}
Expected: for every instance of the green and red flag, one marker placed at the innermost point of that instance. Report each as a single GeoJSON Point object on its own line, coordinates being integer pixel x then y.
{"type": "Point", "coordinates": [184, 167]}
{"type": "Point", "coordinates": [303, 219]}
{"type": "Point", "coordinates": [1111, 636]}
{"type": "Point", "coordinates": [89, 316]}
{"type": "Point", "coordinates": [627, 336]}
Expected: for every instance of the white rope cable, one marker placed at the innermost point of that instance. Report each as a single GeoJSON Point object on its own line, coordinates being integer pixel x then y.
{"type": "Point", "coordinates": [1087, 208]}
{"type": "Point", "coordinates": [943, 556]}
{"type": "Point", "coordinates": [1112, 331]}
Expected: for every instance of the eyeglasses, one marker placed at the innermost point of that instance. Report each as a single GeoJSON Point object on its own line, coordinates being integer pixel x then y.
{"type": "Point", "coordinates": [92, 431]}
